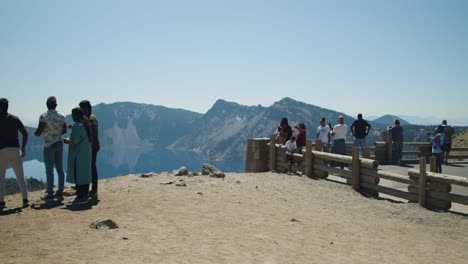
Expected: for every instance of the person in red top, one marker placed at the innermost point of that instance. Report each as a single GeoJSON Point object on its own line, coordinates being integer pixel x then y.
{"type": "Point", "coordinates": [301, 136]}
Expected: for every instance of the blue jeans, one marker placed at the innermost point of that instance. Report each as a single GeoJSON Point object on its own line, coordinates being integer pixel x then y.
{"type": "Point", "coordinates": [360, 142]}
{"type": "Point", "coordinates": [397, 148]}
{"type": "Point", "coordinates": [53, 156]}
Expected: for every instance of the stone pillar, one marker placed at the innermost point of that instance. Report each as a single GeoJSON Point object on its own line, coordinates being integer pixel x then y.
{"type": "Point", "coordinates": [256, 158]}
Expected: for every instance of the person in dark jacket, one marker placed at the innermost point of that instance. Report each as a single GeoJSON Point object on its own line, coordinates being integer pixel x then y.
{"type": "Point", "coordinates": [397, 137]}
{"type": "Point", "coordinates": [360, 128]}
{"type": "Point", "coordinates": [10, 151]}
{"type": "Point", "coordinates": [286, 130]}
{"type": "Point", "coordinates": [449, 131]}
{"type": "Point", "coordinates": [93, 124]}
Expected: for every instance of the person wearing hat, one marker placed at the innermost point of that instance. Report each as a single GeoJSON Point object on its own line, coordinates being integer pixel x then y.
{"type": "Point", "coordinates": [52, 126]}
{"type": "Point", "coordinates": [10, 151]}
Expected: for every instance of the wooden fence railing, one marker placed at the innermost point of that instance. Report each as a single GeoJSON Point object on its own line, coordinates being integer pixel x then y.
{"type": "Point", "coordinates": [382, 151]}
{"type": "Point", "coordinates": [362, 173]}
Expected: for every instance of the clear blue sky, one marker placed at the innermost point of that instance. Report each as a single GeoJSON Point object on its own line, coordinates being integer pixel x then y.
{"type": "Point", "coordinates": [374, 57]}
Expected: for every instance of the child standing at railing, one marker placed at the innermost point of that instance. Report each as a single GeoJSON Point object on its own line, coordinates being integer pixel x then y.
{"type": "Point", "coordinates": [290, 148]}
{"type": "Point", "coordinates": [437, 142]}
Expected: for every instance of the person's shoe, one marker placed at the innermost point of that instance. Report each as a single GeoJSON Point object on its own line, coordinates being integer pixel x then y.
{"type": "Point", "coordinates": [25, 202]}
{"type": "Point", "coordinates": [58, 196]}
{"type": "Point", "coordinates": [93, 195]}
{"type": "Point", "coordinates": [2, 205]}
{"type": "Point", "coordinates": [77, 201]}
{"type": "Point", "coordinates": [47, 197]}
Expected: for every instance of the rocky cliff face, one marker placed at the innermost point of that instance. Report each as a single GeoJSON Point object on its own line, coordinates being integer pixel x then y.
{"type": "Point", "coordinates": [223, 131]}
{"type": "Point", "coordinates": [132, 125]}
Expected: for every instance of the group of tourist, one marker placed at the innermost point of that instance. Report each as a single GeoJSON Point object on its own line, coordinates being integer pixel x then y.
{"type": "Point", "coordinates": [360, 129]}
{"type": "Point", "coordinates": [82, 152]}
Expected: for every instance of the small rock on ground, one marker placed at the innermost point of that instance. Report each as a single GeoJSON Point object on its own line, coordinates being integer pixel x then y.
{"type": "Point", "coordinates": [183, 171]}
{"type": "Point", "coordinates": [106, 224]}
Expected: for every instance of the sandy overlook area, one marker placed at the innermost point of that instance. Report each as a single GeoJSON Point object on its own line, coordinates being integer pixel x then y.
{"type": "Point", "coordinates": [243, 218]}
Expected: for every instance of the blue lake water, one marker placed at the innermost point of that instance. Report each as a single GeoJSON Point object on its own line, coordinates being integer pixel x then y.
{"type": "Point", "coordinates": [115, 162]}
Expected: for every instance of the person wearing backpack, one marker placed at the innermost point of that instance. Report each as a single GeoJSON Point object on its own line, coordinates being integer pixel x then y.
{"type": "Point", "coordinates": [447, 146]}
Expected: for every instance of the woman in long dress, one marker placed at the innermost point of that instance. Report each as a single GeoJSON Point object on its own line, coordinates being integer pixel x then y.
{"type": "Point", "coordinates": [79, 157]}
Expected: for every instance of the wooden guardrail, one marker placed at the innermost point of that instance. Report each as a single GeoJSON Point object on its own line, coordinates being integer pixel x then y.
{"type": "Point", "coordinates": [364, 174]}
{"type": "Point", "coordinates": [412, 151]}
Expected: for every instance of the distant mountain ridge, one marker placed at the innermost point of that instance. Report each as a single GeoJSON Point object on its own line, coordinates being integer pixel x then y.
{"type": "Point", "coordinates": [389, 120]}
{"type": "Point", "coordinates": [221, 133]}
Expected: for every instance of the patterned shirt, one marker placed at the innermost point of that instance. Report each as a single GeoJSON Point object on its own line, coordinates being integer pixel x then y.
{"type": "Point", "coordinates": [54, 127]}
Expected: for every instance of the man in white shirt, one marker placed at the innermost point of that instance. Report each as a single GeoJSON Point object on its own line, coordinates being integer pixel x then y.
{"type": "Point", "coordinates": [339, 142]}
{"type": "Point", "coordinates": [290, 148]}
{"type": "Point", "coordinates": [323, 134]}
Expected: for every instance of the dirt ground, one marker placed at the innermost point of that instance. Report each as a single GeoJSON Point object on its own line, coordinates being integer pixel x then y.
{"type": "Point", "coordinates": [244, 218]}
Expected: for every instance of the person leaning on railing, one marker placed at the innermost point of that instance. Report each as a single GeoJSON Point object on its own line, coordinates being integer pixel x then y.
{"type": "Point", "coordinates": [397, 136]}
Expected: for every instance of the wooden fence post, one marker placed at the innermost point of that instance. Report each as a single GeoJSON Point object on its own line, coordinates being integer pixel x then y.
{"type": "Point", "coordinates": [356, 169]}
{"type": "Point", "coordinates": [389, 148]}
{"type": "Point", "coordinates": [318, 145]}
{"type": "Point", "coordinates": [308, 156]}
{"type": "Point", "coordinates": [367, 153]}
{"type": "Point", "coordinates": [432, 166]}
{"type": "Point", "coordinates": [422, 181]}
{"type": "Point", "coordinates": [273, 153]}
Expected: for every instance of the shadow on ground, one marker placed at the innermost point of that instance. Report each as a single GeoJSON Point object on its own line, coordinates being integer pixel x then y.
{"type": "Point", "coordinates": [41, 205]}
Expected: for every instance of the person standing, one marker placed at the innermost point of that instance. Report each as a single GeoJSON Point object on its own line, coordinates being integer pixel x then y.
{"type": "Point", "coordinates": [301, 136]}
{"type": "Point", "coordinates": [360, 128]}
{"type": "Point", "coordinates": [323, 134]}
{"type": "Point", "coordinates": [397, 136]}
{"type": "Point", "coordinates": [52, 126]}
{"type": "Point", "coordinates": [10, 151]}
{"type": "Point", "coordinates": [286, 130]}
{"type": "Point", "coordinates": [79, 157]}
{"type": "Point", "coordinates": [93, 123]}
{"type": "Point", "coordinates": [339, 142]}
{"type": "Point", "coordinates": [290, 148]}
{"type": "Point", "coordinates": [437, 142]}
{"type": "Point", "coordinates": [447, 147]}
